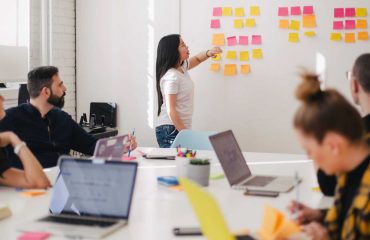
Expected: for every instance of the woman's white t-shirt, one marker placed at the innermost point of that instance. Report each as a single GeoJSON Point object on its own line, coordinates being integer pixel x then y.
{"type": "Point", "coordinates": [176, 82]}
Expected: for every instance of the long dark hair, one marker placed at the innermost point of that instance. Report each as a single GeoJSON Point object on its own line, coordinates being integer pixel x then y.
{"type": "Point", "coordinates": [167, 57]}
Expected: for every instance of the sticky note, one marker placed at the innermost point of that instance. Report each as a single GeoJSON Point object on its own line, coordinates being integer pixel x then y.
{"type": "Point", "coordinates": [361, 23]}
{"type": "Point", "coordinates": [294, 25]}
{"type": "Point", "coordinates": [361, 12]}
{"type": "Point", "coordinates": [349, 37]}
{"type": "Point", "coordinates": [217, 57]}
{"type": "Point", "coordinates": [350, 24]}
{"type": "Point", "coordinates": [245, 69]}
{"type": "Point", "coordinates": [215, 23]}
{"type": "Point", "coordinates": [295, 11]}
{"type": "Point", "coordinates": [230, 69]}
{"type": "Point", "coordinates": [231, 41]}
{"type": "Point", "coordinates": [243, 40]}
{"type": "Point", "coordinates": [257, 53]}
{"type": "Point", "coordinates": [33, 193]}
{"type": "Point", "coordinates": [217, 11]}
{"type": "Point", "coordinates": [363, 36]}
{"type": "Point", "coordinates": [310, 34]}
{"type": "Point", "coordinates": [308, 10]}
{"type": "Point", "coordinates": [284, 23]}
{"type": "Point", "coordinates": [338, 25]}
{"type": "Point", "coordinates": [34, 236]}
{"type": "Point", "coordinates": [239, 12]}
{"type": "Point", "coordinates": [254, 10]}
{"type": "Point", "coordinates": [309, 21]}
{"type": "Point", "coordinates": [250, 22]}
{"type": "Point", "coordinates": [218, 39]}
{"type": "Point", "coordinates": [338, 12]}
{"type": "Point", "coordinates": [350, 12]}
{"type": "Point", "coordinates": [227, 11]}
{"type": "Point", "coordinates": [293, 37]}
{"type": "Point", "coordinates": [336, 36]}
{"type": "Point", "coordinates": [256, 39]}
{"type": "Point", "coordinates": [231, 55]}
{"type": "Point", "coordinates": [215, 67]}
{"type": "Point", "coordinates": [244, 56]}
{"type": "Point", "coordinates": [283, 12]}
{"type": "Point", "coordinates": [238, 23]}
{"type": "Point", "coordinates": [286, 229]}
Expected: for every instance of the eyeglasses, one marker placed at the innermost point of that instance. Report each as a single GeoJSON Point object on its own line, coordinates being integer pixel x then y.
{"type": "Point", "coordinates": [348, 75]}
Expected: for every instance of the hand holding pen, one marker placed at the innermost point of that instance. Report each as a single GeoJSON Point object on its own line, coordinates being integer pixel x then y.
{"type": "Point", "coordinates": [132, 141]}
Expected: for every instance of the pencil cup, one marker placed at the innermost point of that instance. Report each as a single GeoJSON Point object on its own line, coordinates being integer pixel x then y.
{"type": "Point", "coordinates": [181, 166]}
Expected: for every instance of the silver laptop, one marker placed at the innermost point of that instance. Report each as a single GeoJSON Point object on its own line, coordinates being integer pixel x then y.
{"type": "Point", "coordinates": [236, 168]}
{"type": "Point", "coordinates": [91, 199]}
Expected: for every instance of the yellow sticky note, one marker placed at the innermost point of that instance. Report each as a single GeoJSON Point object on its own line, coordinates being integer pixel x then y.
{"type": "Point", "coordinates": [250, 22]}
{"type": "Point", "coordinates": [310, 33]}
{"type": "Point", "coordinates": [245, 69]}
{"type": "Point", "coordinates": [217, 57]}
{"type": "Point", "coordinates": [309, 21]}
{"type": "Point", "coordinates": [230, 69]}
{"type": "Point", "coordinates": [239, 12]}
{"type": "Point", "coordinates": [218, 39]}
{"type": "Point", "coordinates": [361, 23]}
{"type": "Point", "coordinates": [244, 56]}
{"type": "Point", "coordinates": [212, 222]}
{"type": "Point", "coordinates": [254, 10]}
{"type": "Point", "coordinates": [257, 53]}
{"type": "Point", "coordinates": [284, 23]}
{"type": "Point", "coordinates": [271, 221]}
{"type": "Point", "coordinates": [238, 23]}
{"type": "Point", "coordinates": [227, 11]}
{"type": "Point", "coordinates": [364, 36]}
{"type": "Point", "coordinates": [293, 37]}
{"type": "Point", "coordinates": [294, 25]}
{"type": "Point", "coordinates": [349, 37]}
{"type": "Point", "coordinates": [215, 67]}
{"type": "Point", "coordinates": [361, 12]}
{"type": "Point", "coordinates": [231, 55]}
{"type": "Point", "coordinates": [287, 228]}
{"type": "Point", "coordinates": [316, 189]}
{"type": "Point", "coordinates": [335, 36]}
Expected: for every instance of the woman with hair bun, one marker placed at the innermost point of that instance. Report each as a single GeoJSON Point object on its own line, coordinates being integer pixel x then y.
{"type": "Point", "coordinates": [331, 131]}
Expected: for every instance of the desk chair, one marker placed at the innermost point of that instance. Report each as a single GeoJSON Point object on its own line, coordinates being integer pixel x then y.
{"type": "Point", "coordinates": [197, 140]}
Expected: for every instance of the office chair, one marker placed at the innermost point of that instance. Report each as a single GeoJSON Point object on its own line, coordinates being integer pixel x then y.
{"type": "Point", "coordinates": [196, 140]}
{"type": "Point", "coordinates": [23, 95]}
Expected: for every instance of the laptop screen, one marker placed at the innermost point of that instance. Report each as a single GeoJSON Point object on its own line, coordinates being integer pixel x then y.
{"type": "Point", "coordinates": [230, 156]}
{"type": "Point", "coordinates": [112, 148]}
{"type": "Point", "coordinates": [94, 188]}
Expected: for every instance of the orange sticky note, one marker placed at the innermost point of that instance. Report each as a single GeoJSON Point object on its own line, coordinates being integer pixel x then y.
{"type": "Point", "coordinates": [244, 56]}
{"type": "Point", "coordinates": [230, 69]}
{"type": "Point", "coordinates": [294, 25]}
{"type": "Point", "coordinates": [336, 36]}
{"type": "Point", "coordinates": [227, 11]}
{"type": "Point", "coordinates": [254, 10]}
{"type": "Point", "coordinates": [215, 67]}
{"type": "Point", "coordinates": [250, 22]}
{"type": "Point", "coordinates": [218, 39]}
{"type": "Point", "coordinates": [293, 37]}
{"type": "Point", "coordinates": [245, 69]}
{"type": "Point", "coordinates": [349, 37]}
{"type": "Point", "coordinates": [284, 23]}
{"type": "Point", "coordinates": [286, 229]}
{"type": "Point", "coordinates": [364, 36]}
{"type": "Point", "coordinates": [310, 34]}
{"type": "Point", "coordinates": [33, 193]}
{"type": "Point", "coordinates": [361, 23]}
{"type": "Point", "coordinates": [239, 12]}
{"type": "Point", "coordinates": [309, 21]}
{"type": "Point", "coordinates": [257, 53]}
{"type": "Point", "coordinates": [238, 23]}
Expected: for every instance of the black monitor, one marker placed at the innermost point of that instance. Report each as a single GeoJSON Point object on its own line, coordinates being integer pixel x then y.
{"type": "Point", "coordinates": [104, 112]}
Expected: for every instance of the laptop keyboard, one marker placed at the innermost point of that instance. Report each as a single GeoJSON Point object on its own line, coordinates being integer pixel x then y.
{"type": "Point", "coordinates": [259, 181]}
{"type": "Point", "coordinates": [77, 221]}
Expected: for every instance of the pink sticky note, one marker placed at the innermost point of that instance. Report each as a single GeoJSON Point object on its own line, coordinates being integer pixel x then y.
{"type": "Point", "coordinates": [126, 158]}
{"type": "Point", "coordinates": [283, 12]}
{"type": "Point", "coordinates": [231, 41]}
{"type": "Point", "coordinates": [350, 12]}
{"type": "Point", "coordinates": [350, 24]}
{"type": "Point", "coordinates": [217, 11]}
{"type": "Point", "coordinates": [256, 39]}
{"type": "Point", "coordinates": [308, 10]}
{"type": "Point", "coordinates": [243, 40]}
{"type": "Point", "coordinates": [34, 236]}
{"type": "Point", "coordinates": [338, 25]}
{"type": "Point", "coordinates": [295, 11]}
{"type": "Point", "coordinates": [338, 12]}
{"type": "Point", "coordinates": [215, 23]}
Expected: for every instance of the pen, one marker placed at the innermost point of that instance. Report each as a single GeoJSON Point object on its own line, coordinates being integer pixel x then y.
{"type": "Point", "coordinates": [129, 150]}
{"type": "Point", "coordinates": [296, 178]}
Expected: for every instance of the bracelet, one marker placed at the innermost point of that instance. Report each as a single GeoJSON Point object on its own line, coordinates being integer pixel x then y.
{"type": "Point", "coordinates": [19, 146]}
{"type": "Point", "coordinates": [207, 54]}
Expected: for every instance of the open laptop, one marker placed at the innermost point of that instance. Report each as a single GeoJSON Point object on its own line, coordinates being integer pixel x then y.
{"type": "Point", "coordinates": [237, 171]}
{"type": "Point", "coordinates": [112, 148]}
{"type": "Point", "coordinates": [91, 199]}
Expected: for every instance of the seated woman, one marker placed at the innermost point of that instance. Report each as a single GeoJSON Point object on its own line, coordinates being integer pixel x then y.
{"type": "Point", "coordinates": [331, 131]}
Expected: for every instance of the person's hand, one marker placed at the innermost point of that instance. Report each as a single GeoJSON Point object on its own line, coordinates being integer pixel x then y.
{"type": "Point", "coordinates": [214, 51]}
{"type": "Point", "coordinates": [2, 110]}
{"type": "Point", "coordinates": [132, 140]}
{"type": "Point", "coordinates": [305, 214]}
{"type": "Point", "coordinates": [7, 138]}
{"type": "Point", "coordinates": [316, 231]}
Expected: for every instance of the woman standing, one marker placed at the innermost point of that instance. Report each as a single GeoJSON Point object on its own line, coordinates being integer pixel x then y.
{"type": "Point", "coordinates": [175, 89]}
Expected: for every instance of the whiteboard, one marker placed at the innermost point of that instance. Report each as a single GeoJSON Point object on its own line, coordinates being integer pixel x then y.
{"type": "Point", "coordinates": [259, 107]}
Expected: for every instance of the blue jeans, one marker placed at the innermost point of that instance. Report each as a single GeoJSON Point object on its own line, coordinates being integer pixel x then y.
{"type": "Point", "coordinates": [165, 135]}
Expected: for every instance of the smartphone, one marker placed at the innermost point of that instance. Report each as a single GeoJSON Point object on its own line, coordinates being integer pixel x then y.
{"type": "Point", "coordinates": [187, 231]}
{"type": "Point", "coordinates": [261, 193]}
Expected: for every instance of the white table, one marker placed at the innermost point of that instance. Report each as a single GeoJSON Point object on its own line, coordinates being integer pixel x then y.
{"type": "Point", "coordinates": [156, 210]}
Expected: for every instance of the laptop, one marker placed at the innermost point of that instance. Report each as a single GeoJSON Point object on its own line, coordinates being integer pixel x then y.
{"type": "Point", "coordinates": [237, 171]}
{"type": "Point", "coordinates": [90, 199]}
{"type": "Point", "coordinates": [112, 148]}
